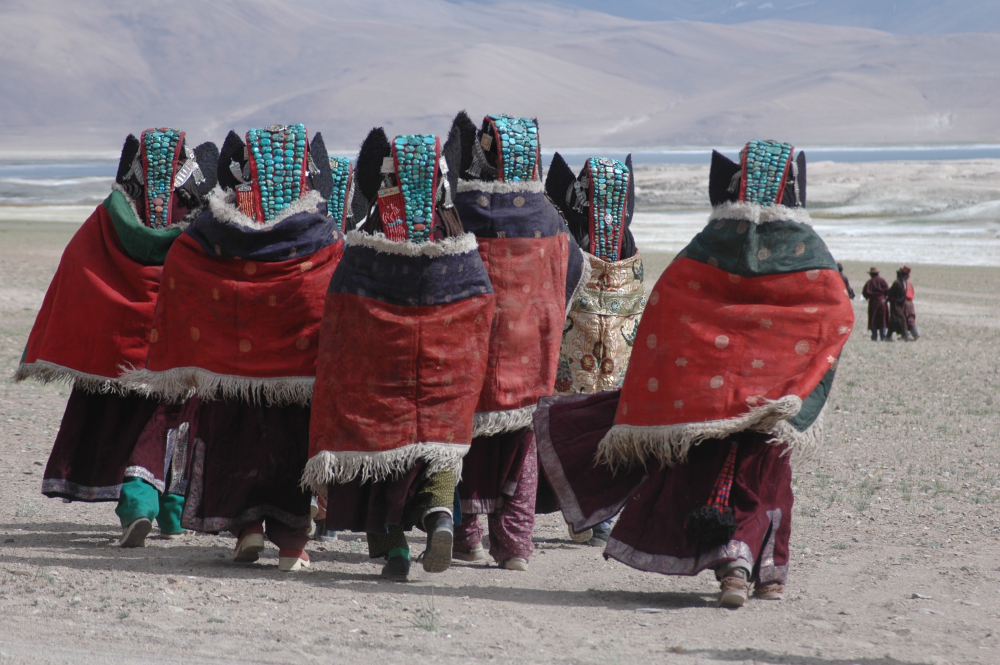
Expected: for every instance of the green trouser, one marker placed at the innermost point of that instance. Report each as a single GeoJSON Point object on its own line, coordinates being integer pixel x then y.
{"type": "Point", "coordinates": [435, 491]}
{"type": "Point", "coordinates": [140, 499]}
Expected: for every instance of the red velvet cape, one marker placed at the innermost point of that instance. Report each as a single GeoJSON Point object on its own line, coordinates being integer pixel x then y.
{"type": "Point", "coordinates": [247, 328]}
{"type": "Point", "coordinates": [97, 312]}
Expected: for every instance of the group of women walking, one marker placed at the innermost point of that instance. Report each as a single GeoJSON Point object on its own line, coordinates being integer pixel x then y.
{"type": "Point", "coordinates": [266, 340]}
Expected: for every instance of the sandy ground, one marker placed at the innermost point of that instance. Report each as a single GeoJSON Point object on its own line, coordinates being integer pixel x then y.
{"type": "Point", "coordinates": [895, 545]}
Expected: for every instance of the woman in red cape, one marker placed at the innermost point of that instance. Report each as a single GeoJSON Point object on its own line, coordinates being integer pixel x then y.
{"type": "Point", "coordinates": [535, 267]}
{"type": "Point", "coordinates": [237, 323]}
{"type": "Point", "coordinates": [402, 356]}
{"type": "Point", "coordinates": [115, 444]}
{"type": "Point", "coordinates": [732, 364]}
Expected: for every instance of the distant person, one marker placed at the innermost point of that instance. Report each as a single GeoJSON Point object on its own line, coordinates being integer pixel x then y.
{"type": "Point", "coordinates": [903, 317]}
{"type": "Point", "coordinates": [875, 291]}
{"type": "Point", "coordinates": [847, 282]}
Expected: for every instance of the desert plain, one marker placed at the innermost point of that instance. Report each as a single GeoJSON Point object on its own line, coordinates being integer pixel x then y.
{"type": "Point", "coordinates": [895, 540]}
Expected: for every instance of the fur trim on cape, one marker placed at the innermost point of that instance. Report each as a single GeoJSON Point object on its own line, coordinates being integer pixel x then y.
{"type": "Point", "coordinates": [462, 244]}
{"type": "Point", "coordinates": [585, 274]}
{"type": "Point", "coordinates": [46, 372]}
{"type": "Point", "coordinates": [179, 383]}
{"type": "Point", "coordinates": [182, 224]}
{"type": "Point", "coordinates": [343, 467]}
{"type": "Point", "coordinates": [802, 446]}
{"type": "Point", "coordinates": [758, 214]}
{"type": "Point", "coordinates": [223, 207]}
{"type": "Point", "coordinates": [627, 445]}
{"type": "Point", "coordinates": [489, 423]}
{"type": "Point", "coordinates": [498, 187]}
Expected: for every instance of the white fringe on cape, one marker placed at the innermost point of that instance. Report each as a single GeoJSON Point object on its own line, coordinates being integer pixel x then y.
{"type": "Point", "coordinates": [462, 244]}
{"type": "Point", "coordinates": [489, 423]}
{"type": "Point", "coordinates": [224, 208]}
{"type": "Point", "coordinates": [46, 372]}
{"type": "Point", "coordinates": [343, 467]}
{"type": "Point", "coordinates": [758, 214]}
{"type": "Point", "coordinates": [627, 445]}
{"type": "Point", "coordinates": [177, 384]}
{"type": "Point", "coordinates": [498, 187]}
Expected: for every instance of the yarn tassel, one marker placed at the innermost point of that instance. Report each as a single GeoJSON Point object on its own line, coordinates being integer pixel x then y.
{"type": "Point", "coordinates": [713, 524]}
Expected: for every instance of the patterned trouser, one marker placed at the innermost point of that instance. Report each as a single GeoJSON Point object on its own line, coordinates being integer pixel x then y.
{"type": "Point", "coordinates": [435, 491]}
{"type": "Point", "coordinates": [511, 523]}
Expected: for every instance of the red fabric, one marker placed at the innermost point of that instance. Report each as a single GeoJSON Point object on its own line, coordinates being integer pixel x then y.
{"type": "Point", "coordinates": [707, 349]}
{"type": "Point", "coordinates": [240, 318]}
{"type": "Point", "coordinates": [391, 375]}
{"type": "Point", "coordinates": [529, 280]}
{"type": "Point", "coordinates": [98, 309]}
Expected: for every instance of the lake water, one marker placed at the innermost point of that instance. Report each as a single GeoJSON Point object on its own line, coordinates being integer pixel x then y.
{"type": "Point", "coordinates": [68, 191]}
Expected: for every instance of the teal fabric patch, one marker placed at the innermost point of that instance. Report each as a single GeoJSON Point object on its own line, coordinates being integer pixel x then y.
{"type": "Point", "coordinates": [143, 244]}
{"type": "Point", "coordinates": [813, 404]}
{"type": "Point", "coordinates": [755, 250]}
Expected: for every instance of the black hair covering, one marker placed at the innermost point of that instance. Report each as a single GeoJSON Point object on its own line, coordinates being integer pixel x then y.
{"type": "Point", "coordinates": [466, 136]}
{"type": "Point", "coordinates": [207, 156]}
{"type": "Point", "coordinates": [452, 153]}
{"type": "Point", "coordinates": [132, 185]}
{"type": "Point", "coordinates": [720, 178]}
{"type": "Point", "coordinates": [233, 149]}
{"type": "Point", "coordinates": [322, 176]}
{"type": "Point", "coordinates": [628, 242]}
{"type": "Point", "coordinates": [559, 188]}
{"type": "Point", "coordinates": [368, 177]}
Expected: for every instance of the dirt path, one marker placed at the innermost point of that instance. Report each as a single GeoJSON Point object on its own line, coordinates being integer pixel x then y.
{"type": "Point", "coordinates": [895, 545]}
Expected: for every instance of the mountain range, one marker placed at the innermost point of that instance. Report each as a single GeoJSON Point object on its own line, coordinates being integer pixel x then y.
{"type": "Point", "coordinates": [77, 77]}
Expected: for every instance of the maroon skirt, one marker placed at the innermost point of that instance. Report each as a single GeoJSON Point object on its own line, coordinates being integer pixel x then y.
{"type": "Point", "coordinates": [246, 465]}
{"type": "Point", "coordinates": [655, 501]}
{"type": "Point", "coordinates": [161, 454]}
{"type": "Point", "coordinates": [492, 469]}
{"type": "Point", "coordinates": [372, 507]}
{"type": "Point", "coordinates": [96, 439]}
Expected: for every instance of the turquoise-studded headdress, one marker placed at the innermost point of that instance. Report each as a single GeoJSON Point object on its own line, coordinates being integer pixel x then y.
{"type": "Point", "coordinates": [338, 205]}
{"type": "Point", "coordinates": [404, 187]}
{"type": "Point", "coordinates": [164, 177]}
{"type": "Point", "coordinates": [508, 146]}
{"type": "Point", "coordinates": [608, 182]}
{"type": "Point", "coordinates": [766, 175]}
{"type": "Point", "coordinates": [597, 204]}
{"type": "Point", "coordinates": [278, 170]}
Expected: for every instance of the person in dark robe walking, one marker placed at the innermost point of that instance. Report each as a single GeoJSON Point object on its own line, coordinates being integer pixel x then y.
{"type": "Point", "coordinates": [847, 282]}
{"type": "Point", "coordinates": [874, 291]}
{"type": "Point", "coordinates": [903, 315]}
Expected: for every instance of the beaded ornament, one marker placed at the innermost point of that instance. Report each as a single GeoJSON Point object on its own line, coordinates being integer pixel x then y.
{"type": "Point", "coordinates": [517, 154]}
{"type": "Point", "coordinates": [342, 182]}
{"type": "Point", "coordinates": [407, 209]}
{"type": "Point", "coordinates": [608, 190]}
{"type": "Point", "coordinates": [277, 168]}
{"type": "Point", "coordinates": [161, 148]}
{"type": "Point", "coordinates": [765, 167]}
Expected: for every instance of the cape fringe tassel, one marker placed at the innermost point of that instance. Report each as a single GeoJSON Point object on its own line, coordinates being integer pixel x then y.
{"type": "Point", "coordinates": [223, 207]}
{"type": "Point", "coordinates": [462, 244]}
{"type": "Point", "coordinates": [46, 372]}
{"type": "Point", "coordinates": [758, 214]}
{"type": "Point", "coordinates": [585, 275]}
{"type": "Point", "coordinates": [498, 187]}
{"type": "Point", "coordinates": [178, 384]}
{"type": "Point", "coordinates": [627, 445]}
{"type": "Point", "coordinates": [489, 423]}
{"type": "Point", "coordinates": [802, 446]}
{"type": "Point", "coordinates": [343, 467]}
